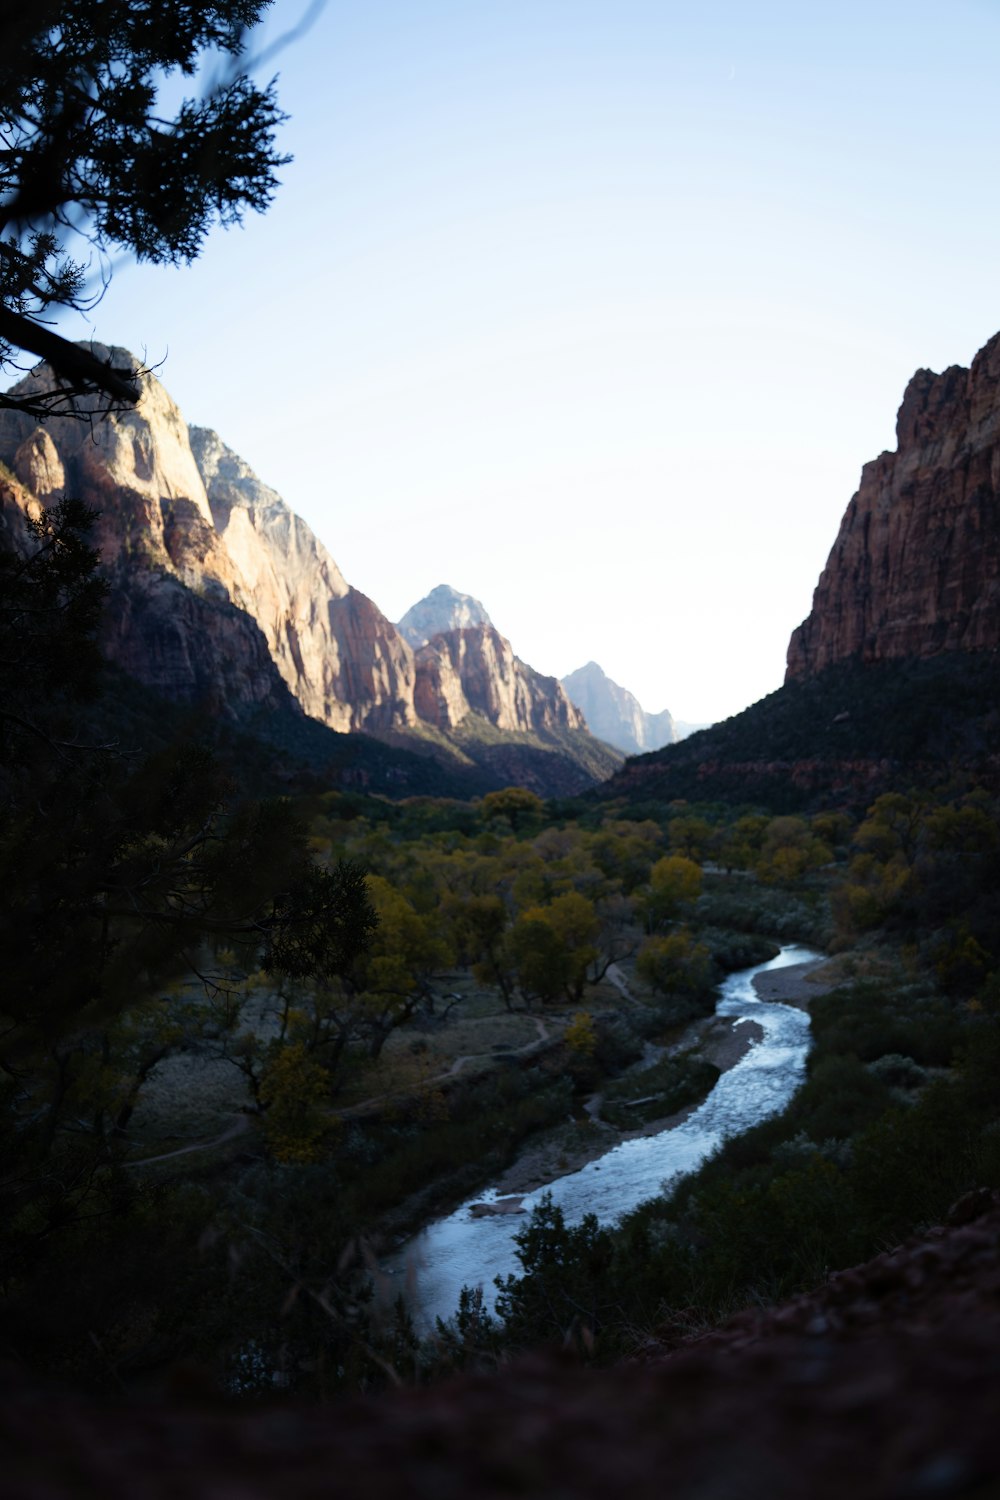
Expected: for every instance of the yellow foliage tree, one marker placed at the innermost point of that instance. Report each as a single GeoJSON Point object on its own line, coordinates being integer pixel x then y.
{"type": "Point", "coordinates": [294, 1090]}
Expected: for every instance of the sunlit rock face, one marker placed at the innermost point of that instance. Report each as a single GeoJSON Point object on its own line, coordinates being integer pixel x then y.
{"type": "Point", "coordinates": [222, 596]}
{"type": "Point", "coordinates": [915, 569]}
{"type": "Point", "coordinates": [616, 715]}
{"type": "Point", "coordinates": [444, 608]}
{"type": "Point", "coordinates": [339, 655]}
{"type": "Point", "coordinates": [220, 593]}
{"type": "Point", "coordinates": [476, 669]}
{"type": "Point", "coordinates": [171, 621]}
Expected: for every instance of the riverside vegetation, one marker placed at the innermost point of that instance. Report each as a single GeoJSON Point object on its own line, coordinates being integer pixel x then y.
{"type": "Point", "coordinates": [384, 1000]}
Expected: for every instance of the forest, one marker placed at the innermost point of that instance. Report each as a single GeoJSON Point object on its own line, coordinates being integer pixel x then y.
{"type": "Point", "coordinates": [383, 1002]}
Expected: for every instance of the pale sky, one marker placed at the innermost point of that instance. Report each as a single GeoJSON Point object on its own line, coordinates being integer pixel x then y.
{"type": "Point", "coordinates": [594, 308]}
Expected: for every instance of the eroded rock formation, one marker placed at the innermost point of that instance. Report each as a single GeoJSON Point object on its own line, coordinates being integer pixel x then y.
{"type": "Point", "coordinates": [915, 569]}
{"type": "Point", "coordinates": [223, 597]}
{"type": "Point", "coordinates": [339, 655]}
{"type": "Point", "coordinates": [476, 669]}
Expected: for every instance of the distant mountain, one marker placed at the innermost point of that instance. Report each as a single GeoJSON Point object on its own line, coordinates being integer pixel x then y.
{"type": "Point", "coordinates": [222, 597]}
{"type": "Point", "coordinates": [615, 715]}
{"type": "Point", "coordinates": [444, 608]}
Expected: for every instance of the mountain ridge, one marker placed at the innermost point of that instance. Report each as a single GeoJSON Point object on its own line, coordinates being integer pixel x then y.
{"type": "Point", "coordinates": [443, 609]}
{"type": "Point", "coordinates": [221, 596]}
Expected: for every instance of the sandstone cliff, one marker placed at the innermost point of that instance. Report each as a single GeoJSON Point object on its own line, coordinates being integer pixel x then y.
{"type": "Point", "coordinates": [223, 597]}
{"type": "Point", "coordinates": [339, 655]}
{"type": "Point", "coordinates": [915, 570]}
{"type": "Point", "coordinates": [616, 715]}
{"type": "Point", "coordinates": [178, 618]}
{"type": "Point", "coordinates": [460, 671]}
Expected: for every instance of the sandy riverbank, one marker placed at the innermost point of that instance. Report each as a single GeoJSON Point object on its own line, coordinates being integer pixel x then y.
{"type": "Point", "coordinates": [799, 984]}
{"type": "Point", "coordinates": [721, 1040]}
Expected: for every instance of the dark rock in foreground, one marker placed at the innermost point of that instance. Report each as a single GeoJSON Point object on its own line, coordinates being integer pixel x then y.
{"type": "Point", "coordinates": [880, 1386]}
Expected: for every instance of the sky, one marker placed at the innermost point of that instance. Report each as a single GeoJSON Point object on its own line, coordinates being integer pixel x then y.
{"type": "Point", "coordinates": [594, 309]}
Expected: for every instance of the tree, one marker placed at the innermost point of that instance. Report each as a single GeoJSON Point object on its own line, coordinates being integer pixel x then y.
{"type": "Point", "coordinates": [515, 804]}
{"type": "Point", "coordinates": [673, 881]}
{"type": "Point", "coordinates": [119, 873]}
{"type": "Point", "coordinates": [91, 163]}
{"type": "Point", "coordinates": [675, 964]}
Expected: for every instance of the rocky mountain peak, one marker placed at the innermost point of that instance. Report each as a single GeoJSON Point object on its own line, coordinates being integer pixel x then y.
{"type": "Point", "coordinates": [915, 568]}
{"type": "Point", "coordinates": [444, 608]}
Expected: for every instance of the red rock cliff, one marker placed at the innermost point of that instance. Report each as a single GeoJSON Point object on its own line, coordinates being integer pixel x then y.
{"type": "Point", "coordinates": [475, 669]}
{"type": "Point", "coordinates": [915, 570]}
{"type": "Point", "coordinates": [219, 592]}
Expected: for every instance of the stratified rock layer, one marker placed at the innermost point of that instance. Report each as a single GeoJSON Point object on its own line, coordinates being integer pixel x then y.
{"type": "Point", "coordinates": [459, 671]}
{"type": "Point", "coordinates": [339, 655]}
{"type": "Point", "coordinates": [178, 618]}
{"type": "Point", "coordinates": [223, 597]}
{"type": "Point", "coordinates": [915, 570]}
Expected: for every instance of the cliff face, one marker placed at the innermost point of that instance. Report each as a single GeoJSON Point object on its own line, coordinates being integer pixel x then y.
{"type": "Point", "coordinates": [476, 669]}
{"type": "Point", "coordinates": [220, 592]}
{"type": "Point", "coordinates": [221, 595]}
{"type": "Point", "coordinates": [171, 622]}
{"type": "Point", "coordinates": [339, 655]}
{"type": "Point", "coordinates": [616, 715]}
{"type": "Point", "coordinates": [915, 570]}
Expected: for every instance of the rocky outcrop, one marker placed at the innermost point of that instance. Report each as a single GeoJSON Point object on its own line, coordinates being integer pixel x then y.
{"type": "Point", "coordinates": [616, 715]}
{"type": "Point", "coordinates": [220, 593]}
{"type": "Point", "coordinates": [177, 619]}
{"type": "Point", "coordinates": [339, 655]}
{"type": "Point", "coordinates": [459, 671]}
{"type": "Point", "coordinates": [915, 569]}
{"type": "Point", "coordinates": [444, 608]}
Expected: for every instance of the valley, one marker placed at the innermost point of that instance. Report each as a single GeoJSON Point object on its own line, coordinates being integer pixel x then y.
{"type": "Point", "coordinates": [392, 1043]}
{"type": "Point", "coordinates": [425, 1068]}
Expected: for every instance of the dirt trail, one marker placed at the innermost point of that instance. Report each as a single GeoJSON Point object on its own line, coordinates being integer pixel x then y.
{"type": "Point", "coordinates": [241, 1124]}
{"type": "Point", "coordinates": [353, 1111]}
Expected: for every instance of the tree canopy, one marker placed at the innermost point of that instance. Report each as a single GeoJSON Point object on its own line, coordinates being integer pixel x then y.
{"type": "Point", "coordinates": [92, 160]}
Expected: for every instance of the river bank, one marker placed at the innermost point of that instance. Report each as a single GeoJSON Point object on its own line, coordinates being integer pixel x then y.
{"type": "Point", "coordinates": [721, 1040]}
{"type": "Point", "coordinates": [799, 984]}
{"type": "Point", "coordinates": [590, 1168]}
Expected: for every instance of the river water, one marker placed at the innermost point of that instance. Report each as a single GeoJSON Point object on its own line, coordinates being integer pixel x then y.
{"type": "Point", "coordinates": [467, 1250]}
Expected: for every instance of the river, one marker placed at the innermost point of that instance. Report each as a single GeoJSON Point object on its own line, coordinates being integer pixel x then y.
{"type": "Point", "coordinates": [464, 1249]}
